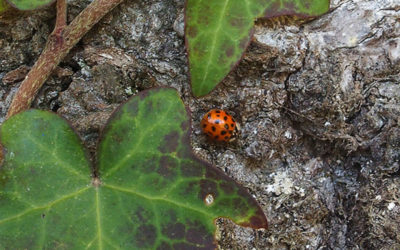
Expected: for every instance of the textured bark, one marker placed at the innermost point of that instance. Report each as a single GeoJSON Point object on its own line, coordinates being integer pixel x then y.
{"type": "Point", "coordinates": [60, 42]}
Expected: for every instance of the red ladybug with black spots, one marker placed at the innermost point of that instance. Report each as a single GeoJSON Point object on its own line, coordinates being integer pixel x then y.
{"type": "Point", "coordinates": [219, 125]}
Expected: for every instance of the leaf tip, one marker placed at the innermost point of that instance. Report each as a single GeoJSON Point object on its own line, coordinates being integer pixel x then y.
{"type": "Point", "coordinates": [29, 5]}
{"type": "Point", "coordinates": [257, 221]}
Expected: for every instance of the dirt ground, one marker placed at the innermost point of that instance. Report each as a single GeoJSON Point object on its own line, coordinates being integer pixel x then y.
{"type": "Point", "coordinates": [318, 103]}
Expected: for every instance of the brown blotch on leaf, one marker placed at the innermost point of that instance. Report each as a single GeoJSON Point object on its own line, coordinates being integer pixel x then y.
{"type": "Point", "coordinates": [171, 214]}
{"type": "Point", "coordinates": [185, 150]}
{"type": "Point", "coordinates": [119, 135]}
{"type": "Point", "coordinates": [240, 206]}
{"type": "Point", "coordinates": [198, 234]}
{"type": "Point", "coordinates": [167, 166]}
{"type": "Point", "coordinates": [208, 187]}
{"type": "Point", "coordinates": [259, 220]}
{"type": "Point", "coordinates": [224, 202]}
{"type": "Point", "coordinates": [148, 107]}
{"type": "Point", "coordinates": [144, 94]}
{"type": "Point", "coordinates": [272, 10]}
{"type": "Point", "coordinates": [164, 246]}
{"type": "Point", "coordinates": [145, 236]}
{"type": "Point", "coordinates": [207, 14]}
{"type": "Point", "coordinates": [185, 125]}
{"type": "Point", "coordinates": [237, 22]}
{"type": "Point", "coordinates": [191, 170]}
{"type": "Point", "coordinates": [170, 142]}
{"type": "Point", "coordinates": [275, 10]}
{"type": "Point", "coordinates": [189, 188]}
{"type": "Point", "coordinates": [227, 187]}
{"type": "Point", "coordinates": [140, 214]}
{"type": "Point", "coordinates": [174, 230]}
{"type": "Point", "coordinates": [198, 49]}
{"type": "Point", "coordinates": [243, 42]}
{"type": "Point", "coordinates": [192, 31]}
{"type": "Point", "coordinates": [147, 164]}
{"type": "Point", "coordinates": [212, 174]}
{"type": "Point", "coordinates": [185, 246]}
{"type": "Point", "coordinates": [132, 108]}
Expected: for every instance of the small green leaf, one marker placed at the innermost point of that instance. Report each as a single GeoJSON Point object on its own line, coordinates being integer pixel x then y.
{"type": "Point", "coordinates": [149, 190]}
{"type": "Point", "coordinates": [45, 190]}
{"type": "Point", "coordinates": [217, 33]}
{"type": "Point", "coordinates": [30, 4]}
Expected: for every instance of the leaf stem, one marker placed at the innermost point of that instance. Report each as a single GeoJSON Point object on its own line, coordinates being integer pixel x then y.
{"type": "Point", "coordinates": [60, 42]}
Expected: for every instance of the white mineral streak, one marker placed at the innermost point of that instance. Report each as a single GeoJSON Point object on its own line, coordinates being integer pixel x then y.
{"type": "Point", "coordinates": [282, 184]}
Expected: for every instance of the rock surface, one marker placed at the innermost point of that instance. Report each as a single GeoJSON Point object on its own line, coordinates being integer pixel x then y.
{"type": "Point", "coordinates": [319, 108]}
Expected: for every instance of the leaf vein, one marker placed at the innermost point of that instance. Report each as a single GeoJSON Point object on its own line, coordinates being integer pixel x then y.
{"type": "Point", "coordinates": [57, 159]}
{"type": "Point", "coordinates": [125, 190]}
{"type": "Point", "coordinates": [139, 142]}
{"type": "Point", "coordinates": [48, 205]}
{"type": "Point", "coordinates": [213, 43]}
{"type": "Point", "coordinates": [98, 221]}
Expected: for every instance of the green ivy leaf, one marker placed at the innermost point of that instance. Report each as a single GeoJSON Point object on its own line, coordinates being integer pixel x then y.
{"type": "Point", "coordinates": [217, 33]}
{"type": "Point", "coordinates": [148, 189]}
{"type": "Point", "coordinates": [30, 4]}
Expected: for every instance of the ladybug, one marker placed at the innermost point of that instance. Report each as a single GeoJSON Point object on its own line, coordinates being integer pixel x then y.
{"type": "Point", "coordinates": [219, 125]}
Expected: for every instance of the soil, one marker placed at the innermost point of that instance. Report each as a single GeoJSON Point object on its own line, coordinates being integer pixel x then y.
{"type": "Point", "coordinates": [318, 102]}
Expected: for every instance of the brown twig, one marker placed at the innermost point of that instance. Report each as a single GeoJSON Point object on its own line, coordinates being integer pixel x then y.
{"type": "Point", "coordinates": [60, 42]}
{"type": "Point", "coordinates": [61, 19]}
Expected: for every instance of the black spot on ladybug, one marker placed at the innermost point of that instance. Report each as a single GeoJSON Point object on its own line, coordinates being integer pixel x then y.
{"type": "Point", "coordinates": [213, 128]}
{"type": "Point", "coordinates": [223, 132]}
{"type": "Point", "coordinates": [218, 115]}
{"type": "Point", "coordinates": [225, 118]}
{"type": "Point", "coordinates": [226, 137]}
{"type": "Point", "coordinates": [233, 119]}
{"type": "Point", "coordinates": [204, 125]}
{"type": "Point", "coordinates": [226, 126]}
{"type": "Point", "coordinates": [216, 137]}
{"type": "Point", "coordinates": [216, 121]}
{"type": "Point", "coordinates": [218, 111]}
{"type": "Point", "coordinates": [232, 125]}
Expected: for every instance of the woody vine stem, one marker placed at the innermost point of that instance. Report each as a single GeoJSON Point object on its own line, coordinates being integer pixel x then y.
{"type": "Point", "coordinates": [60, 42]}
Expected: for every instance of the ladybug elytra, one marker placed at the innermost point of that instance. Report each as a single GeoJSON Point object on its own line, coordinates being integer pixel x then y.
{"type": "Point", "coordinates": [219, 125]}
